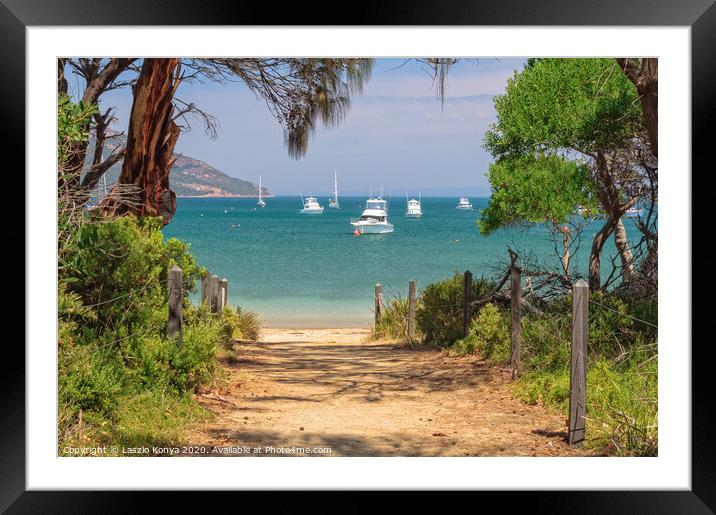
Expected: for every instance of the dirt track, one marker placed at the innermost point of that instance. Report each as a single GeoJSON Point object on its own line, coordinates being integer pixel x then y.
{"type": "Point", "coordinates": [324, 388]}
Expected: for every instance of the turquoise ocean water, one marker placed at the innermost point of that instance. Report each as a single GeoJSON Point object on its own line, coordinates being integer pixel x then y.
{"type": "Point", "coordinates": [311, 271]}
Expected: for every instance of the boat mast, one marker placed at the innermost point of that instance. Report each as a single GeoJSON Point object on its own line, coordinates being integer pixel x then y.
{"type": "Point", "coordinates": [335, 186]}
{"type": "Point", "coordinates": [259, 188]}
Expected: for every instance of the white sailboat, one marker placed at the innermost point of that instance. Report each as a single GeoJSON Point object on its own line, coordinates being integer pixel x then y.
{"type": "Point", "coordinates": [333, 203]}
{"type": "Point", "coordinates": [261, 202]}
{"type": "Point", "coordinates": [311, 206]}
{"type": "Point", "coordinates": [414, 209]}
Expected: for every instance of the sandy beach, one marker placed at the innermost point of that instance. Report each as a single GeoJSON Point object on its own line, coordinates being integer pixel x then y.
{"type": "Point", "coordinates": [339, 335]}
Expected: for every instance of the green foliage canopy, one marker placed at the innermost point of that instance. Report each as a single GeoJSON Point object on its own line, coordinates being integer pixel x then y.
{"type": "Point", "coordinates": [535, 189]}
{"type": "Point", "coordinates": [585, 105]}
{"type": "Point", "coordinates": [553, 109]}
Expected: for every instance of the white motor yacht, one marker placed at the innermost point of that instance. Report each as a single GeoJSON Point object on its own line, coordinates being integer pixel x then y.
{"type": "Point", "coordinates": [414, 209]}
{"type": "Point", "coordinates": [311, 206]}
{"type": "Point", "coordinates": [464, 203]}
{"type": "Point", "coordinates": [374, 219]}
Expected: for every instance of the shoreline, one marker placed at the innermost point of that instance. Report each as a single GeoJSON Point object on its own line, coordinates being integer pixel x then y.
{"type": "Point", "coordinates": [318, 335]}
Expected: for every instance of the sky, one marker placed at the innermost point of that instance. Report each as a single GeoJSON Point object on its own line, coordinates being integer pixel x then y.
{"type": "Point", "coordinates": [396, 136]}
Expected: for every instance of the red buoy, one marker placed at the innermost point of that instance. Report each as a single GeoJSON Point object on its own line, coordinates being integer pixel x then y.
{"type": "Point", "coordinates": [356, 233]}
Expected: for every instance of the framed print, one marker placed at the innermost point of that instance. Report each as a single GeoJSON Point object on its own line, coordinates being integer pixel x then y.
{"type": "Point", "coordinates": [416, 249]}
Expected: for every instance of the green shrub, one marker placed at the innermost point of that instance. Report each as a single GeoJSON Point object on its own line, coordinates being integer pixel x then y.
{"type": "Point", "coordinates": [546, 341]}
{"type": "Point", "coordinates": [393, 323]}
{"type": "Point", "coordinates": [240, 324]}
{"type": "Point", "coordinates": [489, 335]}
{"type": "Point", "coordinates": [112, 343]}
{"type": "Point", "coordinates": [153, 418]}
{"type": "Point", "coordinates": [439, 313]}
{"type": "Point", "coordinates": [622, 405]}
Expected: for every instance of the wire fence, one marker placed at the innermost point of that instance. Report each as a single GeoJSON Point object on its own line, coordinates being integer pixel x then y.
{"type": "Point", "coordinates": [623, 314]}
{"type": "Point", "coordinates": [132, 292]}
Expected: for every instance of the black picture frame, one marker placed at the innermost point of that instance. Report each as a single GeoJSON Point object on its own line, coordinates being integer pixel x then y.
{"type": "Point", "coordinates": [700, 15]}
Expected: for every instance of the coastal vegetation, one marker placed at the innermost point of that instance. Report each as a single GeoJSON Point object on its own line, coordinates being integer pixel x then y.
{"type": "Point", "coordinates": [121, 380]}
{"type": "Point", "coordinates": [576, 122]}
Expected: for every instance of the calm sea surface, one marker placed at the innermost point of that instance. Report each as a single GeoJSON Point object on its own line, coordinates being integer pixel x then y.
{"type": "Point", "coordinates": [311, 271]}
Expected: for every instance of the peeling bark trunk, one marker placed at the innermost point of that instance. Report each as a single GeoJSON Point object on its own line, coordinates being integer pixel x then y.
{"type": "Point", "coordinates": [151, 138]}
{"type": "Point", "coordinates": [565, 254]}
{"type": "Point", "coordinates": [625, 254]}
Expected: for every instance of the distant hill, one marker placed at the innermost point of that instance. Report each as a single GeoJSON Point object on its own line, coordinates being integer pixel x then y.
{"type": "Point", "coordinates": [191, 177]}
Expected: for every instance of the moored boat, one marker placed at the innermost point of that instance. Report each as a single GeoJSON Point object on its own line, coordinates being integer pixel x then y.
{"type": "Point", "coordinates": [464, 203]}
{"type": "Point", "coordinates": [333, 202]}
{"type": "Point", "coordinates": [311, 206]}
{"type": "Point", "coordinates": [261, 202]}
{"type": "Point", "coordinates": [414, 208]}
{"type": "Point", "coordinates": [374, 219]}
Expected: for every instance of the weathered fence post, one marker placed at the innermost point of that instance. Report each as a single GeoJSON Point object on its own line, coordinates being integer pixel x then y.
{"type": "Point", "coordinates": [466, 303]}
{"type": "Point", "coordinates": [411, 310]}
{"type": "Point", "coordinates": [378, 302]}
{"type": "Point", "coordinates": [174, 287]}
{"type": "Point", "coordinates": [578, 368]}
{"type": "Point", "coordinates": [214, 293]}
{"type": "Point", "coordinates": [205, 288]}
{"type": "Point", "coordinates": [223, 287]}
{"type": "Point", "coordinates": [516, 312]}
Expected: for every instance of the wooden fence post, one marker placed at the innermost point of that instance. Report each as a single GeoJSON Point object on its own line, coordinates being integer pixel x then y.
{"type": "Point", "coordinates": [578, 368]}
{"type": "Point", "coordinates": [174, 287]}
{"type": "Point", "coordinates": [214, 294]}
{"type": "Point", "coordinates": [223, 286]}
{"type": "Point", "coordinates": [411, 310]}
{"type": "Point", "coordinates": [466, 303]}
{"type": "Point", "coordinates": [378, 302]}
{"type": "Point", "coordinates": [205, 288]}
{"type": "Point", "coordinates": [226, 291]}
{"type": "Point", "coordinates": [516, 312]}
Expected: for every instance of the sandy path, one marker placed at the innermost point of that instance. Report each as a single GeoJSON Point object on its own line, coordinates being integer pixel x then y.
{"type": "Point", "coordinates": [324, 388]}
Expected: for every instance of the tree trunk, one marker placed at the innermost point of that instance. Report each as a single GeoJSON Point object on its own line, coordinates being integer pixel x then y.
{"type": "Point", "coordinates": [565, 253]}
{"type": "Point", "coordinates": [622, 243]}
{"type": "Point", "coordinates": [595, 258]}
{"type": "Point", "coordinates": [607, 194]}
{"type": "Point", "coordinates": [61, 79]}
{"type": "Point", "coordinates": [151, 137]}
{"type": "Point", "coordinates": [646, 80]}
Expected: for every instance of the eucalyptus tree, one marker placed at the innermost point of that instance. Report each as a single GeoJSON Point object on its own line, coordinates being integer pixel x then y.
{"type": "Point", "coordinates": [300, 94]}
